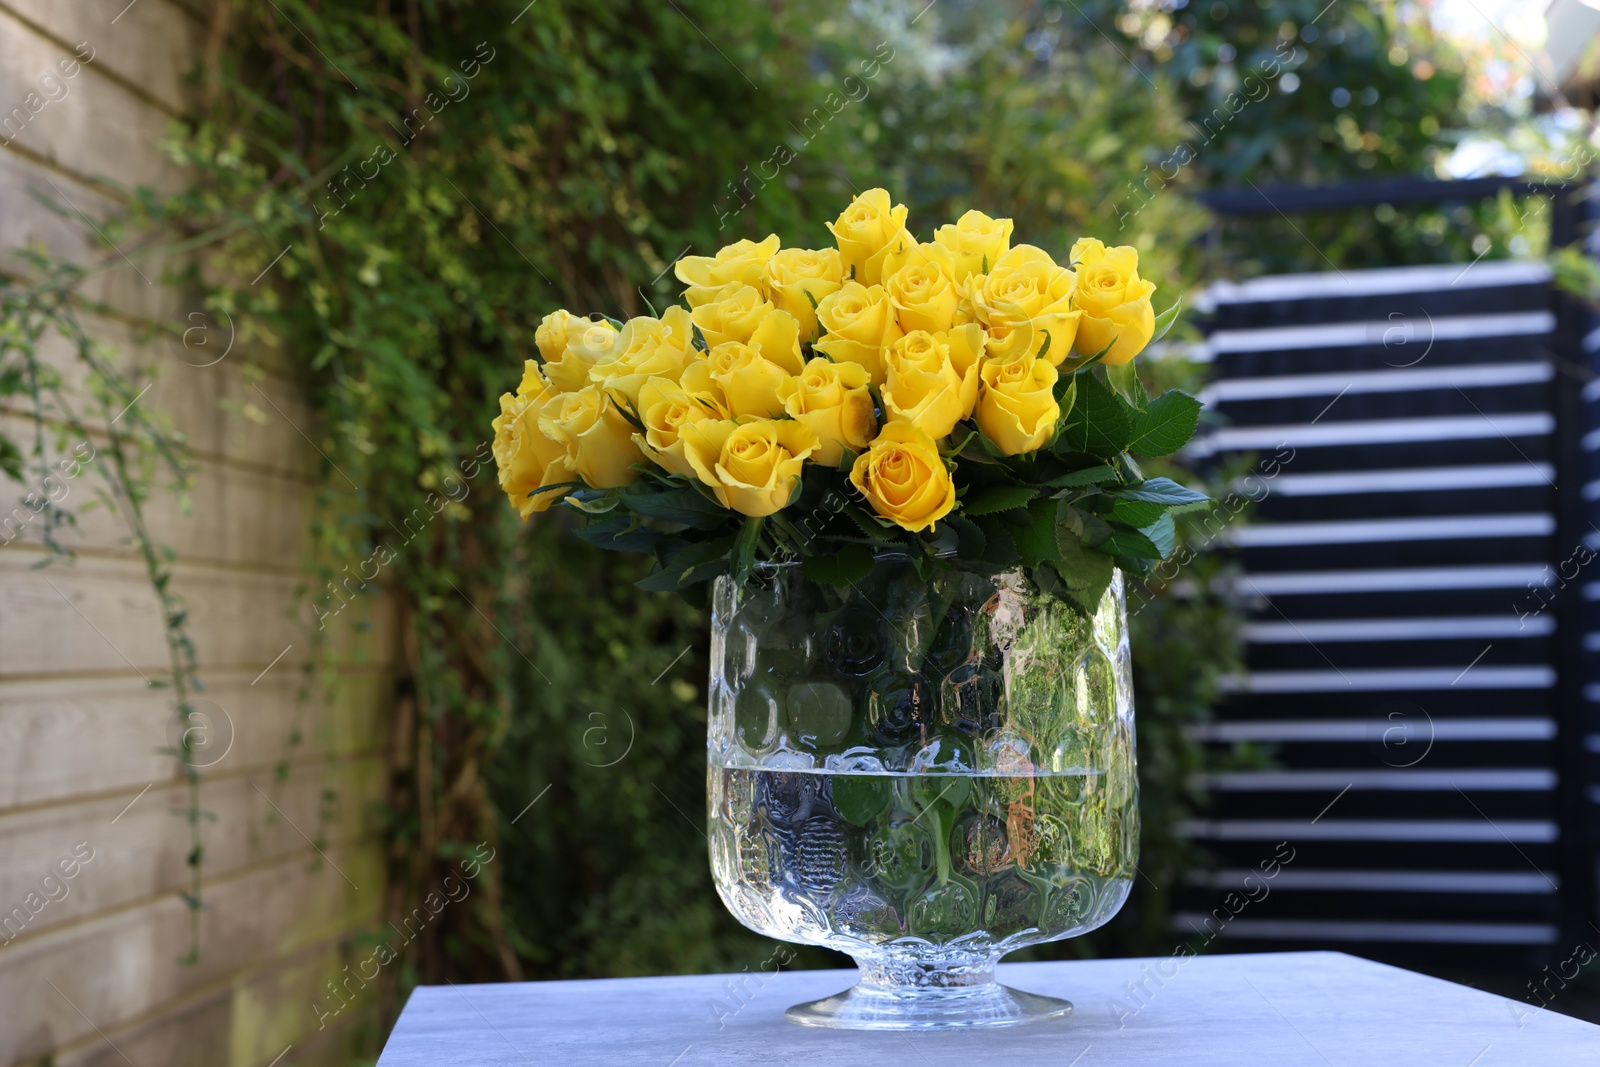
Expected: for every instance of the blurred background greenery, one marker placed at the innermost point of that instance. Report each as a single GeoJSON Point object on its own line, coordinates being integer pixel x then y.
{"type": "Point", "coordinates": [596, 143]}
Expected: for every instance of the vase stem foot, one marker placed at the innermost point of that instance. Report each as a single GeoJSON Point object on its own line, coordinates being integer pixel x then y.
{"type": "Point", "coordinates": [863, 1007]}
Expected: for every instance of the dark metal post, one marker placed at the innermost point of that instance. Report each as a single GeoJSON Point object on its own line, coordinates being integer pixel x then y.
{"type": "Point", "coordinates": [1574, 852]}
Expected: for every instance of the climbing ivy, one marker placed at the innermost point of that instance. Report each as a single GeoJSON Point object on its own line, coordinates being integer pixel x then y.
{"type": "Point", "coordinates": [98, 424]}
{"type": "Point", "coordinates": [387, 198]}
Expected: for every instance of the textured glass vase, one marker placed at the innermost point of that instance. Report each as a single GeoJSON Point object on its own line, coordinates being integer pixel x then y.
{"type": "Point", "coordinates": [924, 771]}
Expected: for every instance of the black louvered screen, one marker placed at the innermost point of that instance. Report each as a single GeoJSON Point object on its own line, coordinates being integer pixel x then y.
{"type": "Point", "coordinates": [1414, 665]}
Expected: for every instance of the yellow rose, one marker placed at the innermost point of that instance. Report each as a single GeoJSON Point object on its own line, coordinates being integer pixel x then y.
{"type": "Point", "coordinates": [860, 323]}
{"type": "Point", "coordinates": [976, 242]}
{"type": "Point", "coordinates": [698, 382]}
{"type": "Point", "coordinates": [868, 230]}
{"type": "Point", "coordinates": [1114, 301]}
{"type": "Point", "coordinates": [1017, 408]}
{"type": "Point", "coordinates": [551, 336]}
{"type": "Point", "coordinates": [525, 458]}
{"type": "Point", "coordinates": [1025, 298]}
{"type": "Point", "coordinates": [731, 314]}
{"type": "Point", "coordinates": [748, 380]}
{"type": "Point", "coordinates": [752, 467]}
{"type": "Point", "coordinates": [832, 400]}
{"type": "Point", "coordinates": [598, 440]}
{"type": "Point", "coordinates": [929, 386]}
{"type": "Point", "coordinates": [646, 348]}
{"type": "Point", "coordinates": [923, 291]}
{"type": "Point", "coordinates": [586, 344]}
{"type": "Point", "coordinates": [904, 478]}
{"type": "Point", "coordinates": [795, 272]}
{"type": "Point", "coordinates": [743, 262]}
{"type": "Point", "coordinates": [778, 341]}
{"type": "Point", "coordinates": [665, 410]}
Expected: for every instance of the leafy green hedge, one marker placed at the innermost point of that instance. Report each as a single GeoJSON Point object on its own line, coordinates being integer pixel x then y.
{"type": "Point", "coordinates": [444, 173]}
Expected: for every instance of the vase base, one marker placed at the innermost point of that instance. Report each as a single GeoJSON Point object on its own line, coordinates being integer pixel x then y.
{"type": "Point", "coordinates": [969, 1007]}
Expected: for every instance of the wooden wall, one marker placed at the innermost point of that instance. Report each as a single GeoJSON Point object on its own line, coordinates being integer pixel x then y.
{"type": "Point", "coordinates": [95, 977]}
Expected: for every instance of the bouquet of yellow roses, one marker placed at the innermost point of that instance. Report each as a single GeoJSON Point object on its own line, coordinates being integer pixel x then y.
{"type": "Point", "coordinates": [962, 399]}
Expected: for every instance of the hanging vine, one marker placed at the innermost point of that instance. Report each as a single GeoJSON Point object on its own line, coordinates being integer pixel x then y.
{"type": "Point", "coordinates": [132, 452]}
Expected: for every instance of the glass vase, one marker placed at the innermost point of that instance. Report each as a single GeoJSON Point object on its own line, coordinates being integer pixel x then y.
{"type": "Point", "coordinates": [925, 769]}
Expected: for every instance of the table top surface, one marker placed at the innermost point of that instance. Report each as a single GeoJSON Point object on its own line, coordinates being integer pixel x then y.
{"type": "Point", "coordinates": [1317, 1009]}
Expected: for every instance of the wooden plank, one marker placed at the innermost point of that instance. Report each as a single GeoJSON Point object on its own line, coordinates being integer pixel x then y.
{"type": "Point", "coordinates": [150, 46]}
{"type": "Point", "coordinates": [124, 966]}
{"type": "Point", "coordinates": [251, 1022]}
{"type": "Point", "coordinates": [256, 420]}
{"type": "Point", "coordinates": [235, 516]}
{"type": "Point", "coordinates": [25, 222]}
{"type": "Point", "coordinates": [101, 615]}
{"type": "Point", "coordinates": [119, 854]}
{"type": "Point", "coordinates": [77, 736]}
{"type": "Point", "coordinates": [84, 122]}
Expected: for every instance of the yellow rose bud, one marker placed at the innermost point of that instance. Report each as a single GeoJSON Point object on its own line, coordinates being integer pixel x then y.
{"type": "Point", "coordinates": [1114, 302]}
{"type": "Point", "coordinates": [976, 242]}
{"type": "Point", "coordinates": [922, 290]}
{"type": "Point", "coordinates": [698, 382]}
{"type": "Point", "coordinates": [794, 273]}
{"type": "Point", "coordinates": [551, 336]}
{"type": "Point", "coordinates": [748, 381]}
{"type": "Point", "coordinates": [526, 459]}
{"type": "Point", "coordinates": [587, 343]}
{"type": "Point", "coordinates": [778, 341]}
{"type": "Point", "coordinates": [860, 323]}
{"type": "Point", "coordinates": [732, 314]}
{"type": "Point", "coordinates": [904, 478]}
{"type": "Point", "coordinates": [665, 410]}
{"type": "Point", "coordinates": [1017, 408]}
{"type": "Point", "coordinates": [832, 400]}
{"type": "Point", "coordinates": [1025, 298]}
{"type": "Point", "coordinates": [925, 388]}
{"type": "Point", "coordinates": [868, 230]}
{"type": "Point", "coordinates": [598, 440]}
{"type": "Point", "coordinates": [742, 263]}
{"type": "Point", "coordinates": [752, 467]}
{"type": "Point", "coordinates": [646, 348]}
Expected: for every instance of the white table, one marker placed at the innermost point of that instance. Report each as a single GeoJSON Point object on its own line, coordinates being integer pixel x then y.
{"type": "Point", "coordinates": [1317, 1009]}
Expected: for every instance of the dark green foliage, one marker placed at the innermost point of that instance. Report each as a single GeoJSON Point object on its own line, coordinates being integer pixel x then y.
{"type": "Point", "coordinates": [1304, 92]}
{"type": "Point", "coordinates": [594, 143]}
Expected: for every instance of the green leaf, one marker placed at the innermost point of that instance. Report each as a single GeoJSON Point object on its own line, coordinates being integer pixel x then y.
{"type": "Point", "coordinates": [971, 541]}
{"type": "Point", "coordinates": [1160, 491]}
{"type": "Point", "coordinates": [1085, 571]}
{"type": "Point", "coordinates": [1125, 380]}
{"type": "Point", "coordinates": [1166, 319]}
{"type": "Point", "coordinates": [695, 563]}
{"type": "Point", "coordinates": [1066, 393]}
{"type": "Point", "coordinates": [687, 506]}
{"type": "Point", "coordinates": [1036, 541]}
{"type": "Point", "coordinates": [1163, 533]}
{"type": "Point", "coordinates": [620, 533]}
{"type": "Point", "coordinates": [999, 547]}
{"type": "Point", "coordinates": [1087, 476]}
{"type": "Point", "coordinates": [1166, 424]}
{"type": "Point", "coordinates": [1075, 364]}
{"type": "Point", "coordinates": [844, 568]}
{"type": "Point", "coordinates": [1101, 423]}
{"type": "Point", "coordinates": [1132, 543]}
{"type": "Point", "coordinates": [861, 798]}
{"type": "Point", "coordinates": [998, 498]}
{"type": "Point", "coordinates": [11, 459]}
{"type": "Point", "coordinates": [744, 547]}
{"type": "Point", "coordinates": [871, 525]}
{"type": "Point", "coordinates": [1136, 513]}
